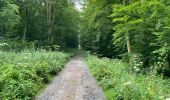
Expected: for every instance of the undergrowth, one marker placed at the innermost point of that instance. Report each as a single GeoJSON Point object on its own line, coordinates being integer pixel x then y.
{"type": "Point", "coordinates": [119, 83]}
{"type": "Point", "coordinates": [23, 74]}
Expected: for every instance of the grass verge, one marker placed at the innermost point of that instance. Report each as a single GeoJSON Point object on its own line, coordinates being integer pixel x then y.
{"type": "Point", "coordinates": [24, 74]}
{"type": "Point", "coordinates": [119, 83]}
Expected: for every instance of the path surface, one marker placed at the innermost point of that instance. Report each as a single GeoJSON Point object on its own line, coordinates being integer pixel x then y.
{"type": "Point", "coordinates": [73, 83]}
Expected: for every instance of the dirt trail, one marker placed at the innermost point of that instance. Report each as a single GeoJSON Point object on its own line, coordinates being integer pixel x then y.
{"type": "Point", "coordinates": [73, 83]}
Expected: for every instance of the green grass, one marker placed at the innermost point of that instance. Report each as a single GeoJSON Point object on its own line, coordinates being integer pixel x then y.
{"type": "Point", "coordinates": [119, 83]}
{"type": "Point", "coordinates": [24, 74]}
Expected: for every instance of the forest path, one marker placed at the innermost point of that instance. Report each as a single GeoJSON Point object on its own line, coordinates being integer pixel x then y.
{"type": "Point", "coordinates": [73, 83]}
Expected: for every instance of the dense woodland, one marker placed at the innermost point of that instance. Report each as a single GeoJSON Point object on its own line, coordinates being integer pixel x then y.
{"type": "Point", "coordinates": [136, 32]}
{"type": "Point", "coordinates": [39, 22]}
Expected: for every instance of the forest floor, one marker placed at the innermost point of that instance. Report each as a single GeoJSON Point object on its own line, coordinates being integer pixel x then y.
{"type": "Point", "coordinates": [73, 83]}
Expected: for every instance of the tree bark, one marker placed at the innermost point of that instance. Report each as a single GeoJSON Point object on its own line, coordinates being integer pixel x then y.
{"type": "Point", "coordinates": [51, 12]}
{"type": "Point", "coordinates": [128, 44]}
{"type": "Point", "coordinates": [25, 26]}
{"type": "Point", "coordinates": [124, 2]}
{"type": "Point", "coordinates": [168, 59]}
{"type": "Point", "coordinates": [127, 36]}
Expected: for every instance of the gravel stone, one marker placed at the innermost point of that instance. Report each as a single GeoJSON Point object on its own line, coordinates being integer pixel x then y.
{"type": "Point", "coordinates": [73, 83]}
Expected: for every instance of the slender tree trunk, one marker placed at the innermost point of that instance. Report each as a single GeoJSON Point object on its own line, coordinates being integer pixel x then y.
{"type": "Point", "coordinates": [50, 36]}
{"type": "Point", "coordinates": [124, 2]}
{"type": "Point", "coordinates": [168, 59]}
{"type": "Point", "coordinates": [49, 29]}
{"type": "Point", "coordinates": [127, 36]}
{"type": "Point", "coordinates": [51, 12]}
{"type": "Point", "coordinates": [128, 44]}
{"type": "Point", "coordinates": [25, 26]}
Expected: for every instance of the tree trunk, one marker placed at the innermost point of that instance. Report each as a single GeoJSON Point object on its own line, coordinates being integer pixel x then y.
{"type": "Point", "coordinates": [49, 29]}
{"type": "Point", "coordinates": [127, 36]}
{"type": "Point", "coordinates": [25, 26]}
{"type": "Point", "coordinates": [168, 58]}
{"type": "Point", "coordinates": [129, 50]}
{"type": "Point", "coordinates": [51, 11]}
{"type": "Point", "coordinates": [128, 44]}
{"type": "Point", "coordinates": [49, 36]}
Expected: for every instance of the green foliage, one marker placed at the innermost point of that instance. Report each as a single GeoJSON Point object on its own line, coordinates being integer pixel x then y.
{"type": "Point", "coordinates": [145, 23]}
{"type": "Point", "coordinates": [40, 20]}
{"type": "Point", "coordinates": [97, 27]}
{"type": "Point", "coordinates": [23, 74]}
{"type": "Point", "coordinates": [137, 30]}
{"type": "Point", "coordinates": [119, 83]}
{"type": "Point", "coordinates": [136, 20]}
{"type": "Point", "coordinates": [9, 16]}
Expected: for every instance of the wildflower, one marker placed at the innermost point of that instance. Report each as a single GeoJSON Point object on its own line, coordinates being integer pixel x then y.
{"type": "Point", "coordinates": [141, 62]}
{"type": "Point", "coordinates": [137, 69]}
{"type": "Point", "coordinates": [138, 64]}
{"type": "Point", "coordinates": [44, 50]}
{"type": "Point", "coordinates": [19, 63]}
{"type": "Point", "coordinates": [146, 78]}
{"type": "Point", "coordinates": [5, 44]}
{"type": "Point", "coordinates": [43, 4]}
{"type": "Point", "coordinates": [127, 83]}
{"type": "Point", "coordinates": [167, 99]}
{"type": "Point", "coordinates": [161, 97]}
{"type": "Point", "coordinates": [25, 57]}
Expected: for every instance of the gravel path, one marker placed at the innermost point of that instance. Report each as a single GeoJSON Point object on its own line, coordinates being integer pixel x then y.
{"type": "Point", "coordinates": [73, 83]}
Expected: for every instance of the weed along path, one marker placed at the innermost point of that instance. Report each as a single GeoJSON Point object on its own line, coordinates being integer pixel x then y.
{"type": "Point", "coordinates": [74, 83]}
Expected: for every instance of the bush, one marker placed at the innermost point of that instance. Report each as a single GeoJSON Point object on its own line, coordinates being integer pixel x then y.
{"type": "Point", "coordinates": [119, 83]}
{"type": "Point", "coordinates": [23, 74]}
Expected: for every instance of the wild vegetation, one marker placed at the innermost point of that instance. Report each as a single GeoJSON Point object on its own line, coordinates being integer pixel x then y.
{"type": "Point", "coordinates": [134, 31]}
{"type": "Point", "coordinates": [44, 23]}
{"type": "Point", "coordinates": [31, 34]}
{"type": "Point", "coordinates": [120, 83]}
{"type": "Point", "coordinates": [23, 74]}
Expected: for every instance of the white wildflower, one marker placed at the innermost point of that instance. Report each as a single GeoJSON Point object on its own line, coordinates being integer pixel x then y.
{"type": "Point", "coordinates": [43, 4]}
{"type": "Point", "coordinates": [127, 83]}
{"type": "Point", "coordinates": [19, 63]}
{"type": "Point", "coordinates": [167, 99]}
{"type": "Point", "coordinates": [161, 97]}
{"type": "Point", "coordinates": [137, 69]}
{"type": "Point", "coordinates": [43, 50]}
{"type": "Point", "coordinates": [26, 57]}
{"type": "Point", "coordinates": [5, 44]}
{"type": "Point", "coordinates": [137, 64]}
